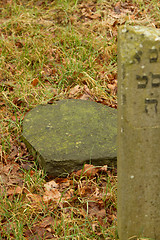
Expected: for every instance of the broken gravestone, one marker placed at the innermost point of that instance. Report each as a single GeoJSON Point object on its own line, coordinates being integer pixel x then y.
{"type": "Point", "coordinates": [67, 134]}
{"type": "Point", "coordinates": [138, 133]}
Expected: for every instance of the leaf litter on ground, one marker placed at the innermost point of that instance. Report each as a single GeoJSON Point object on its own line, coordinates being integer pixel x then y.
{"type": "Point", "coordinates": [52, 51]}
{"type": "Point", "coordinates": [83, 194]}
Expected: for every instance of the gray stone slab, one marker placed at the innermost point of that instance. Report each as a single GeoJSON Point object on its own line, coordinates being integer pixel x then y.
{"type": "Point", "coordinates": [69, 133]}
{"type": "Point", "coordinates": [138, 133]}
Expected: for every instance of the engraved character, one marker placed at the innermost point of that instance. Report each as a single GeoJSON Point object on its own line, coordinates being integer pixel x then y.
{"type": "Point", "coordinates": [153, 55]}
{"type": "Point", "coordinates": [142, 81]}
{"type": "Point", "coordinates": [151, 105]}
{"type": "Point", "coordinates": [137, 56]}
{"type": "Point", "coordinates": [155, 80]}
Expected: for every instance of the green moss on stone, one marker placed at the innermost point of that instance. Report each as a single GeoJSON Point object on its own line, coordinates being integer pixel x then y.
{"type": "Point", "coordinates": [70, 132]}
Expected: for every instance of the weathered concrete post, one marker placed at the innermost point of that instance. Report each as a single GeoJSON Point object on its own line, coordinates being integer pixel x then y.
{"type": "Point", "coordinates": [139, 133]}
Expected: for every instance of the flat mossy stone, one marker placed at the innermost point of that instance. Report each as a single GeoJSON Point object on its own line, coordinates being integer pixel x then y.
{"type": "Point", "coordinates": [69, 133]}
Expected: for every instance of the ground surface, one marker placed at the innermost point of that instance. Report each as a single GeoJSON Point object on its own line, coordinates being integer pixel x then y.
{"type": "Point", "coordinates": [52, 50]}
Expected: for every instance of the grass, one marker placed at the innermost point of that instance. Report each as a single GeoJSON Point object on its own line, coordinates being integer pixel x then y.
{"type": "Point", "coordinates": [23, 212]}
{"type": "Point", "coordinates": [46, 49]}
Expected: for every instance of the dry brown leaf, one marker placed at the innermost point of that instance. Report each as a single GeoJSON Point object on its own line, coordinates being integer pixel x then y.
{"type": "Point", "coordinates": [35, 82]}
{"type": "Point", "coordinates": [113, 88]}
{"type": "Point", "coordinates": [64, 182]}
{"type": "Point", "coordinates": [93, 16]}
{"type": "Point", "coordinates": [47, 221]}
{"type": "Point", "coordinates": [69, 194]}
{"type": "Point", "coordinates": [52, 195]}
{"type": "Point", "coordinates": [101, 213]}
{"type": "Point", "coordinates": [85, 191]}
{"type": "Point", "coordinates": [95, 209]}
{"type": "Point", "coordinates": [34, 198]}
{"type": "Point", "coordinates": [117, 7]}
{"type": "Point", "coordinates": [104, 168]}
{"type": "Point", "coordinates": [10, 178]}
{"type": "Point", "coordinates": [87, 93]}
{"type": "Point", "coordinates": [94, 225]}
{"type": "Point", "coordinates": [86, 89]}
{"type": "Point", "coordinates": [14, 190]}
{"type": "Point", "coordinates": [88, 170]}
{"type": "Point", "coordinates": [14, 152]}
{"type": "Point", "coordinates": [3, 178]}
{"type": "Point", "coordinates": [50, 185]}
{"type": "Point", "coordinates": [74, 90]}
{"type": "Point", "coordinates": [37, 233]}
{"type": "Point", "coordinates": [85, 97]}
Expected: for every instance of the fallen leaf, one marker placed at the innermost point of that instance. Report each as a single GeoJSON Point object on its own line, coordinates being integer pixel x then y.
{"type": "Point", "coordinates": [104, 168]}
{"type": "Point", "coordinates": [14, 150]}
{"type": "Point", "coordinates": [69, 194]}
{"type": "Point", "coordinates": [117, 7]}
{"type": "Point", "coordinates": [74, 90]}
{"type": "Point", "coordinates": [95, 209]}
{"type": "Point", "coordinates": [86, 89]}
{"type": "Point", "coordinates": [14, 190]}
{"type": "Point", "coordinates": [85, 97]}
{"type": "Point", "coordinates": [3, 178]}
{"type": "Point", "coordinates": [64, 182]}
{"type": "Point", "coordinates": [36, 233]}
{"type": "Point", "coordinates": [88, 170]}
{"type": "Point", "coordinates": [113, 88]}
{"type": "Point", "coordinates": [85, 191]}
{"type": "Point", "coordinates": [94, 225]}
{"type": "Point", "coordinates": [52, 195]}
{"type": "Point", "coordinates": [50, 185]}
{"type": "Point", "coordinates": [47, 221]}
{"type": "Point", "coordinates": [34, 198]}
{"type": "Point", "coordinates": [26, 166]}
{"type": "Point", "coordinates": [35, 82]}
{"type": "Point", "coordinates": [93, 16]}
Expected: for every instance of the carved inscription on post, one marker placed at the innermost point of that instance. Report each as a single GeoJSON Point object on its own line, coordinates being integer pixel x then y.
{"type": "Point", "coordinates": [143, 78]}
{"type": "Point", "coordinates": [138, 137]}
{"type": "Point", "coordinates": [153, 80]}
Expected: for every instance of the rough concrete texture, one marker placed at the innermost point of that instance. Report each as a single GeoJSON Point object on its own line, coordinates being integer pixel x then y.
{"type": "Point", "coordinates": [138, 133]}
{"type": "Point", "coordinates": [69, 133]}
